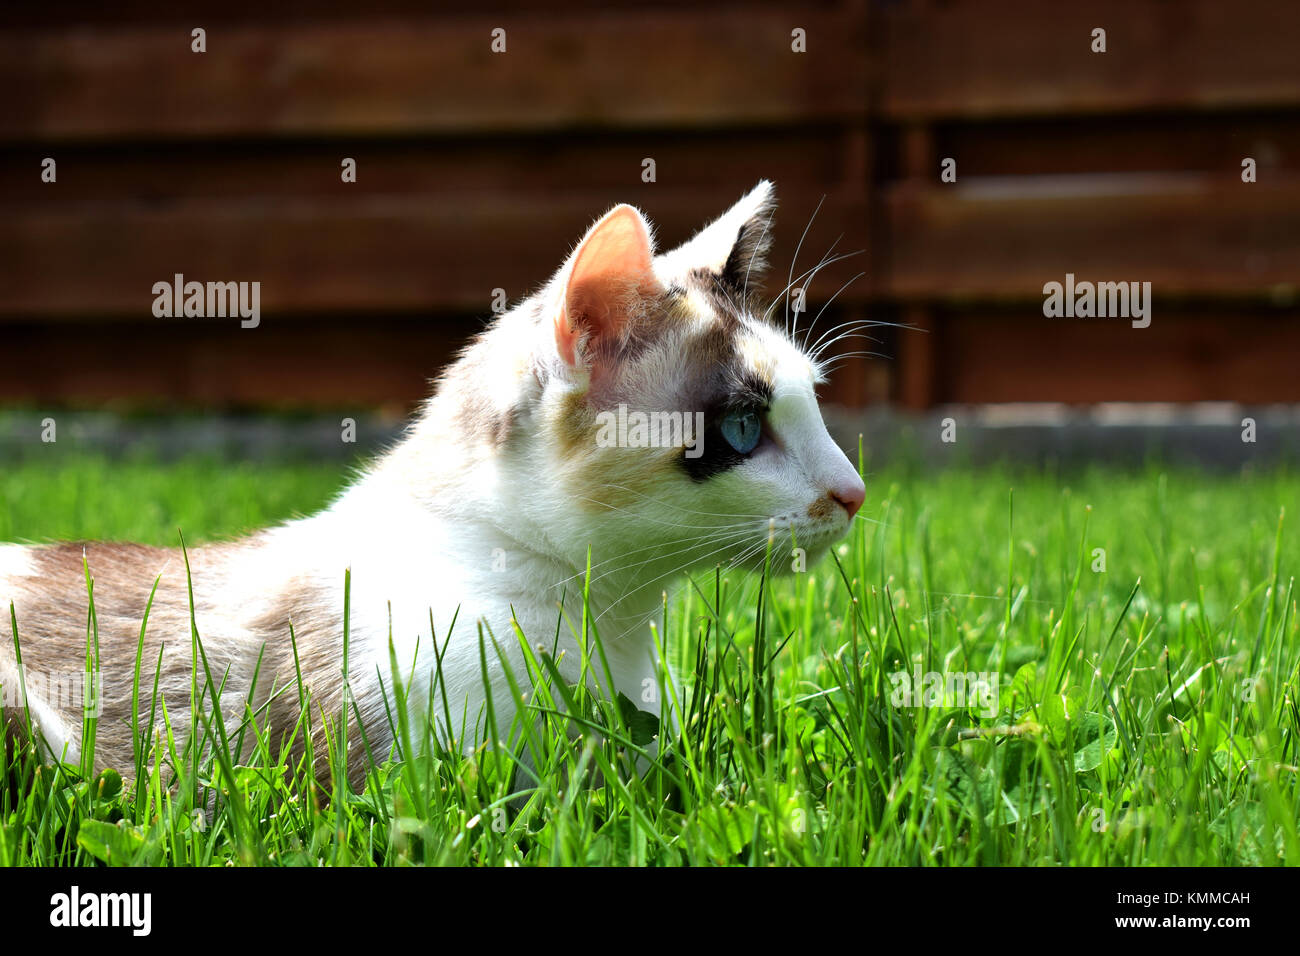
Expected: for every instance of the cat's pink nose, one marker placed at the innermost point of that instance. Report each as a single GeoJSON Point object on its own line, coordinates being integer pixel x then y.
{"type": "Point", "coordinates": [850, 495]}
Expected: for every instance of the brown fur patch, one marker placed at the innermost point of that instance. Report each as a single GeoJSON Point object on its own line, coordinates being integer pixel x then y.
{"type": "Point", "coordinates": [318, 636]}
{"type": "Point", "coordinates": [477, 418]}
{"type": "Point", "coordinates": [822, 507]}
{"type": "Point", "coordinates": [52, 608]}
{"type": "Point", "coordinates": [629, 480]}
{"type": "Point", "coordinates": [576, 429]}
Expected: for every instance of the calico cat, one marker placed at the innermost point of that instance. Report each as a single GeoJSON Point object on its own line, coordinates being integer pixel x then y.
{"type": "Point", "coordinates": [486, 511]}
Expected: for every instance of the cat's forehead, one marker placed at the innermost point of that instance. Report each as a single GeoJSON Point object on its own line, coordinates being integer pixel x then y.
{"type": "Point", "coordinates": [719, 334]}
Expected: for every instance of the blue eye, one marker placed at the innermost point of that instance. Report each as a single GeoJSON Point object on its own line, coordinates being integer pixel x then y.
{"type": "Point", "coordinates": [742, 429]}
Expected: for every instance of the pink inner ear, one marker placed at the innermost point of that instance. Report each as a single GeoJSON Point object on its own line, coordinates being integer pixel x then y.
{"type": "Point", "coordinates": [614, 265]}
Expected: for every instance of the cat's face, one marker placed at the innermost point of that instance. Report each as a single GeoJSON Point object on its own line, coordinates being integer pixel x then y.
{"type": "Point", "coordinates": [683, 424]}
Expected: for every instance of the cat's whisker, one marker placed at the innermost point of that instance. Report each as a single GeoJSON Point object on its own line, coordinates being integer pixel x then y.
{"type": "Point", "coordinates": [769, 538]}
{"type": "Point", "coordinates": [659, 547]}
{"type": "Point", "coordinates": [876, 521]}
{"type": "Point", "coordinates": [710, 514]}
{"type": "Point", "coordinates": [755, 551]}
{"type": "Point", "coordinates": [668, 524]}
{"type": "Point", "coordinates": [857, 353]}
{"type": "Point", "coordinates": [818, 359]}
{"type": "Point", "coordinates": [807, 277]}
{"type": "Point", "coordinates": [839, 358]}
{"type": "Point", "coordinates": [827, 304]}
{"type": "Point", "coordinates": [855, 325]}
{"type": "Point", "coordinates": [727, 541]}
{"type": "Point", "coordinates": [851, 328]}
{"type": "Point", "coordinates": [795, 261]}
{"type": "Point", "coordinates": [678, 569]}
{"type": "Point", "coordinates": [821, 264]}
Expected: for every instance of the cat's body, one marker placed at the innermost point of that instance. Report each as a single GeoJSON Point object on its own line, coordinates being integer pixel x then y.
{"type": "Point", "coordinates": [485, 513]}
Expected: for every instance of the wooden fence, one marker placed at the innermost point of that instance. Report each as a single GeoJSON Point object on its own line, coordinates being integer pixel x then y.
{"type": "Point", "coordinates": [477, 170]}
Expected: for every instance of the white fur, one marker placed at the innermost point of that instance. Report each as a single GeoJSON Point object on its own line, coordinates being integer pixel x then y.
{"type": "Point", "coordinates": [16, 562]}
{"type": "Point", "coordinates": [503, 539]}
{"type": "Point", "coordinates": [447, 528]}
{"type": "Point", "coordinates": [711, 246]}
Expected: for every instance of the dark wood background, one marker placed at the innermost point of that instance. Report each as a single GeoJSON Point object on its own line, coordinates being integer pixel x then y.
{"type": "Point", "coordinates": [479, 170]}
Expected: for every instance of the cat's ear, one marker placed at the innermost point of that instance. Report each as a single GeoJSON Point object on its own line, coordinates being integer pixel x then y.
{"type": "Point", "coordinates": [604, 283]}
{"type": "Point", "coordinates": [733, 248]}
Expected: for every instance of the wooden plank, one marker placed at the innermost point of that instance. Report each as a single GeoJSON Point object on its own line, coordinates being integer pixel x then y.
{"type": "Point", "coordinates": [322, 362]}
{"type": "Point", "coordinates": [415, 254]}
{"type": "Point", "coordinates": [1245, 356]}
{"type": "Point", "coordinates": [1189, 236]}
{"type": "Point", "coordinates": [918, 357]}
{"type": "Point", "coordinates": [1003, 239]}
{"type": "Point", "coordinates": [996, 58]}
{"type": "Point", "coordinates": [1240, 356]}
{"type": "Point", "coordinates": [626, 69]}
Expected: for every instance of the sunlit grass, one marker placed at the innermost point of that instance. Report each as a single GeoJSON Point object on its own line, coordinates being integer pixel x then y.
{"type": "Point", "coordinates": [1143, 627]}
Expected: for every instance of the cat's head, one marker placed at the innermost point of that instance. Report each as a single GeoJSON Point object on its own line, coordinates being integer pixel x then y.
{"type": "Point", "coordinates": [681, 424]}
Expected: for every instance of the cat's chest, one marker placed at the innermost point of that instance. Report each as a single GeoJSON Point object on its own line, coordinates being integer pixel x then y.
{"type": "Point", "coordinates": [418, 578]}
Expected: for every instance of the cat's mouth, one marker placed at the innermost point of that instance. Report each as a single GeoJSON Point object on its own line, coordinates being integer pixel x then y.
{"type": "Point", "coordinates": [795, 542]}
{"type": "Point", "coordinates": [828, 525]}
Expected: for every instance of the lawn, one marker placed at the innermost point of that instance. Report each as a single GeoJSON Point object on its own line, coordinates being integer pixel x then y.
{"type": "Point", "coordinates": [1136, 632]}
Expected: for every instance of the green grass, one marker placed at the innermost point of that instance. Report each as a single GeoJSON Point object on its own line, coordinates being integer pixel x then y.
{"type": "Point", "coordinates": [1147, 714]}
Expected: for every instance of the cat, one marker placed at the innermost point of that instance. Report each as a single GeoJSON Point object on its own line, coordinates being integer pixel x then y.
{"type": "Point", "coordinates": [485, 511]}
